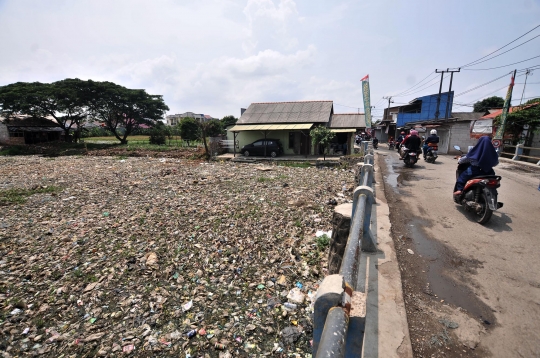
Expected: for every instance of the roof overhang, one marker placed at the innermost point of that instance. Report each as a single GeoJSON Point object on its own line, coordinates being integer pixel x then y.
{"type": "Point", "coordinates": [269, 127]}
{"type": "Point", "coordinates": [343, 130]}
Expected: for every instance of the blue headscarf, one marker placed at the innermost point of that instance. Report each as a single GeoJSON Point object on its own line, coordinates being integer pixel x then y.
{"type": "Point", "coordinates": [484, 153]}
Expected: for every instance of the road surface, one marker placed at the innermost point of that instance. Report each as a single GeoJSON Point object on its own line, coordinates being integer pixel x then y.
{"type": "Point", "coordinates": [455, 272]}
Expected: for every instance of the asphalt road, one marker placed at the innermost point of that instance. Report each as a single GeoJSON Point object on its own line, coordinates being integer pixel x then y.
{"type": "Point", "coordinates": [498, 263]}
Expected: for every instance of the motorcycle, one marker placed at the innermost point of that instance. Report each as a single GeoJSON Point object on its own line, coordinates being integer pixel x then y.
{"type": "Point", "coordinates": [479, 194]}
{"type": "Point", "coordinates": [432, 154]}
{"type": "Point", "coordinates": [375, 145]}
{"type": "Point", "coordinates": [391, 145]}
{"type": "Point", "coordinates": [409, 157]}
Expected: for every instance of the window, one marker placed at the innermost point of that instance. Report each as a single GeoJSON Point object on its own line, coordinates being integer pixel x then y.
{"type": "Point", "coordinates": [270, 142]}
{"type": "Point", "coordinates": [16, 134]}
{"type": "Point", "coordinates": [258, 143]}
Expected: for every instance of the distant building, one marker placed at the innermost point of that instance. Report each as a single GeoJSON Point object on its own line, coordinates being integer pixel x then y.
{"type": "Point", "coordinates": [291, 122]}
{"type": "Point", "coordinates": [29, 130]}
{"type": "Point", "coordinates": [174, 119]}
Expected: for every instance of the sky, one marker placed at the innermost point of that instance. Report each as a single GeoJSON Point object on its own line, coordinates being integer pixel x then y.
{"type": "Point", "coordinates": [217, 56]}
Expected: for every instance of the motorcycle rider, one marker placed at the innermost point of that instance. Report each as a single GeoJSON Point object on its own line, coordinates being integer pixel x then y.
{"type": "Point", "coordinates": [400, 139]}
{"type": "Point", "coordinates": [412, 142]}
{"type": "Point", "coordinates": [375, 142]}
{"type": "Point", "coordinates": [433, 138]}
{"type": "Point", "coordinates": [482, 159]}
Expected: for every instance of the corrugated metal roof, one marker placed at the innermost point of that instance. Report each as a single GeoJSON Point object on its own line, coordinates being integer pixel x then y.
{"type": "Point", "coordinates": [273, 127]}
{"type": "Point", "coordinates": [348, 120]}
{"type": "Point", "coordinates": [287, 112]}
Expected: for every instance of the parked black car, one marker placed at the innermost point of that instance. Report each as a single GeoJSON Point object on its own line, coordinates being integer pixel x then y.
{"type": "Point", "coordinates": [273, 148]}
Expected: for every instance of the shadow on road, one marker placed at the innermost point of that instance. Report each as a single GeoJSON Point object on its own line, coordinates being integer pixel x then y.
{"type": "Point", "coordinates": [498, 222]}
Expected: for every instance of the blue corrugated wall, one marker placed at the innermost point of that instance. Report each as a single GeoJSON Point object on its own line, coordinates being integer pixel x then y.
{"type": "Point", "coordinates": [428, 109]}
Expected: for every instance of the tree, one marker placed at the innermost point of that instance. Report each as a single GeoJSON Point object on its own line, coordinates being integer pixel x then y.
{"type": "Point", "coordinates": [63, 100]}
{"type": "Point", "coordinates": [528, 115]}
{"type": "Point", "coordinates": [119, 107]}
{"type": "Point", "coordinates": [189, 129]}
{"type": "Point", "coordinates": [228, 120]}
{"type": "Point", "coordinates": [323, 136]}
{"type": "Point", "coordinates": [488, 103]}
{"type": "Point", "coordinates": [209, 128]}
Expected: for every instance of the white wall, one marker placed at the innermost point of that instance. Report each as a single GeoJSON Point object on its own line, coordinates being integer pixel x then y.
{"type": "Point", "coordinates": [459, 135]}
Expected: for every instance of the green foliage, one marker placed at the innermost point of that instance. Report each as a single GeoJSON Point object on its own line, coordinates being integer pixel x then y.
{"type": "Point", "coordinates": [71, 101]}
{"type": "Point", "coordinates": [323, 136]}
{"type": "Point", "coordinates": [228, 120]}
{"type": "Point", "coordinates": [524, 115]}
{"type": "Point", "coordinates": [212, 128]}
{"type": "Point", "coordinates": [488, 103]}
{"type": "Point", "coordinates": [119, 107]}
{"type": "Point", "coordinates": [157, 136]}
{"type": "Point", "coordinates": [189, 129]}
{"type": "Point", "coordinates": [322, 241]}
{"type": "Point", "coordinates": [19, 196]}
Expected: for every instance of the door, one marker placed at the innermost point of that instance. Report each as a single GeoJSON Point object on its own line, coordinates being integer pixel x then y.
{"type": "Point", "coordinates": [304, 144]}
{"type": "Point", "coordinates": [444, 135]}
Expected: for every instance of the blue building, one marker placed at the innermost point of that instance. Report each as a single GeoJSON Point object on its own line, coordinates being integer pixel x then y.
{"type": "Point", "coordinates": [424, 109]}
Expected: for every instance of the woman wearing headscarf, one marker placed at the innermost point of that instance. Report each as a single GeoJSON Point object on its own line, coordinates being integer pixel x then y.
{"type": "Point", "coordinates": [482, 158]}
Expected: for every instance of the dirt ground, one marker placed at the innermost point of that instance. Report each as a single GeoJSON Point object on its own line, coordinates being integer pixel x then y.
{"type": "Point", "coordinates": [432, 321]}
{"type": "Point", "coordinates": [161, 257]}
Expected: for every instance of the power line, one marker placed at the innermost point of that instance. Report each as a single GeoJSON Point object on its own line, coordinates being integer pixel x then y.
{"type": "Point", "coordinates": [502, 53]}
{"type": "Point", "coordinates": [417, 84]}
{"type": "Point", "coordinates": [479, 86]}
{"type": "Point", "coordinates": [434, 82]}
{"type": "Point", "coordinates": [493, 68]}
{"type": "Point", "coordinates": [500, 48]}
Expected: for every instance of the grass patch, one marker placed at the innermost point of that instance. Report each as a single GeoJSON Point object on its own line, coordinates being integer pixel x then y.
{"type": "Point", "coordinates": [263, 179]}
{"type": "Point", "coordinates": [19, 196]}
{"type": "Point", "coordinates": [295, 164]}
{"type": "Point", "coordinates": [322, 241]}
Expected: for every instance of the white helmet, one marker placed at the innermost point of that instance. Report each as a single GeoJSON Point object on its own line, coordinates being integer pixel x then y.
{"type": "Point", "coordinates": [433, 131]}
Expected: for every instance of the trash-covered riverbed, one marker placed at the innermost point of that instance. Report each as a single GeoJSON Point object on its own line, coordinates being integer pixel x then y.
{"type": "Point", "coordinates": [105, 256]}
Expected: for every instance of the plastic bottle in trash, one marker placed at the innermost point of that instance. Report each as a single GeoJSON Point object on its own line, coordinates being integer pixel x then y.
{"type": "Point", "coordinates": [289, 306]}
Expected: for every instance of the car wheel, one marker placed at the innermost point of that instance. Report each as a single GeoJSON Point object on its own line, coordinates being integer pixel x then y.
{"type": "Point", "coordinates": [246, 153]}
{"type": "Point", "coordinates": [273, 154]}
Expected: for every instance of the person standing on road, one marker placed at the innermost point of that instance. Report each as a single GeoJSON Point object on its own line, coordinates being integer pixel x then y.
{"type": "Point", "coordinates": [482, 158]}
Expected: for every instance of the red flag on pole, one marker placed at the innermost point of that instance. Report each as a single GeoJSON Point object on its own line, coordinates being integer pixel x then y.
{"type": "Point", "coordinates": [365, 78]}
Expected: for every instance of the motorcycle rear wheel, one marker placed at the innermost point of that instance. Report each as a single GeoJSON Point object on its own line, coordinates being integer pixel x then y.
{"type": "Point", "coordinates": [485, 214]}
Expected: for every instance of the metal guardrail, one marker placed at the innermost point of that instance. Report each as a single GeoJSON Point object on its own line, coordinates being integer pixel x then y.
{"type": "Point", "coordinates": [519, 153]}
{"type": "Point", "coordinates": [332, 342]}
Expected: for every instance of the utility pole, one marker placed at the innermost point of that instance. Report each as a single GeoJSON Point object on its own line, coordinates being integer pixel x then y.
{"type": "Point", "coordinates": [450, 90]}
{"type": "Point", "coordinates": [389, 98]}
{"type": "Point", "coordinates": [525, 85]}
{"type": "Point", "coordinates": [442, 72]}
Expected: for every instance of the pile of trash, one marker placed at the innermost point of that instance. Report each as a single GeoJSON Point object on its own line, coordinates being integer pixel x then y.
{"type": "Point", "coordinates": [162, 257]}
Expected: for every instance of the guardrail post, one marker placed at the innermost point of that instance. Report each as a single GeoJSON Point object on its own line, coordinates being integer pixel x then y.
{"type": "Point", "coordinates": [368, 159]}
{"type": "Point", "coordinates": [368, 242]}
{"type": "Point", "coordinates": [366, 175]}
{"type": "Point", "coordinates": [519, 152]}
{"type": "Point", "coordinates": [329, 294]}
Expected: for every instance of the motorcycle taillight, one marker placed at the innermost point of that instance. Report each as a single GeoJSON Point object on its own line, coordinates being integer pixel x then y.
{"type": "Point", "coordinates": [491, 182]}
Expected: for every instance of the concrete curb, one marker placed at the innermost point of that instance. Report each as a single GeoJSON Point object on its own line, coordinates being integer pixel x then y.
{"type": "Point", "coordinates": [517, 162]}
{"type": "Point", "coordinates": [386, 330]}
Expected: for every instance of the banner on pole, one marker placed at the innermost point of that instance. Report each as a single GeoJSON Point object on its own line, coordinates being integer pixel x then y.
{"type": "Point", "coordinates": [367, 104]}
{"type": "Point", "coordinates": [497, 140]}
